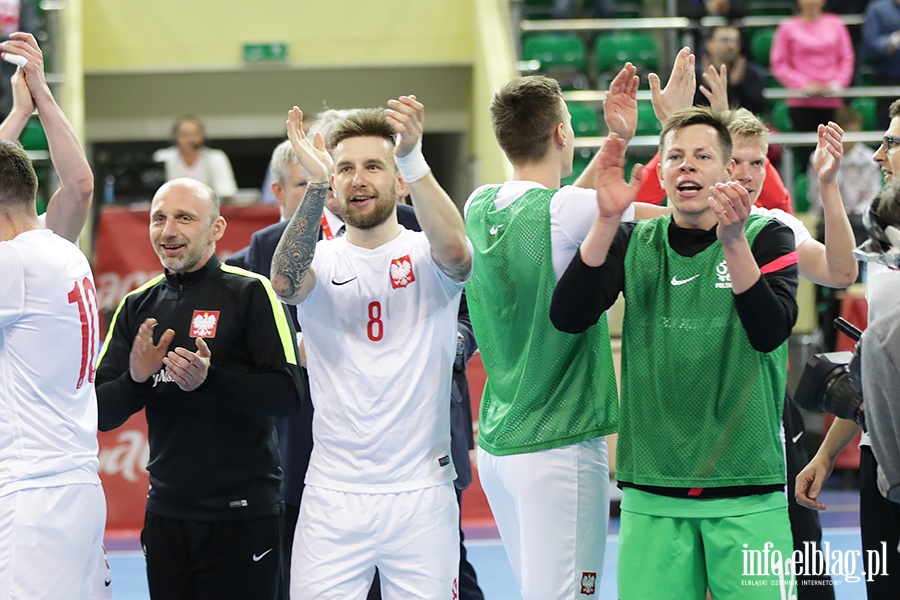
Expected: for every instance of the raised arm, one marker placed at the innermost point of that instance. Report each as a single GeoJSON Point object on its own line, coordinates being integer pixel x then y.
{"type": "Point", "coordinates": [680, 89]}
{"type": "Point", "coordinates": [596, 274]}
{"type": "Point", "coordinates": [831, 264]}
{"type": "Point", "coordinates": [614, 195]}
{"type": "Point", "coordinates": [438, 216]}
{"type": "Point", "coordinates": [717, 92]}
{"type": "Point", "coordinates": [69, 207]}
{"type": "Point", "coordinates": [292, 276]}
{"type": "Point", "coordinates": [620, 114]}
{"type": "Point", "coordinates": [23, 105]}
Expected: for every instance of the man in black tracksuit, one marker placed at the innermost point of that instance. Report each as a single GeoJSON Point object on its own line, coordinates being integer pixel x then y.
{"type": "Point", "coordinates": [210, 353]}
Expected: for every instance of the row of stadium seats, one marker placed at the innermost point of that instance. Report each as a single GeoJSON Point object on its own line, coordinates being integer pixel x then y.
{"type": "Point", "coordinates": [568, 51]}
{"type": "Point", "coordinates": [611, 51]}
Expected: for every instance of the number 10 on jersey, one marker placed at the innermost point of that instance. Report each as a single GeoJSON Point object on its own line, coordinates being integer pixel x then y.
{"type": "Point", "coordinates": [85, 297]}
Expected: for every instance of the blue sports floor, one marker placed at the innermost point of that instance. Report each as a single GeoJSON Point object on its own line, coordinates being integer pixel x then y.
{"type": "Point", "coordinates": [840, 522]}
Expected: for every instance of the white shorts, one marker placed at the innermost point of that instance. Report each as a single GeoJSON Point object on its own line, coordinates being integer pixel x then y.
{"type": "Point", "coordinates": [50, 540]}
{"type": "Point", "coordinates": [101, 582]}
{"type": "Point", "coordinates": [552, 511]}
{"type": "Point", "coordinates": [412, 537]}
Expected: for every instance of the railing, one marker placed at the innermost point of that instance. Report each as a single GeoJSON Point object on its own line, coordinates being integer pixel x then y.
{"type": "Point", "coordinates": [597, 96]}
{"type": "Point", "coordinates": [655, 23]}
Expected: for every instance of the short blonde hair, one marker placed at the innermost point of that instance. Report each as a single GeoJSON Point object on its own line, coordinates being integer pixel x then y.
{"type": "Point", "coordinates": [744, 125]}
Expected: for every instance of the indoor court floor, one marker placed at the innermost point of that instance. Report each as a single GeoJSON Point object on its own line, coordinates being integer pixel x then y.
{"type": "Point", "coordinates": [840, 522]}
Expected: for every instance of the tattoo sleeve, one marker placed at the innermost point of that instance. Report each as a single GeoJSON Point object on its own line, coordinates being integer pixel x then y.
{"type": "Point", "coordinates": [295, 250]}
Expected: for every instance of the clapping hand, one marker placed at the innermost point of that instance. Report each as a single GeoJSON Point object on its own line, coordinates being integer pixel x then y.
{"type": "Point", "coordinates": [407, 116]}
{"type": "Point", "coordinates": [680, 89]}
{"type": "Point", "coordinates": [620, 104]}
{"type": "Point", "coordinates": [313, 156]}
{"type": "Point", "coordinates": [829, 152]}
{"type": "Point", "coordinates": [614, 194]}
{"type": "Point", "coordinates": [188, 369]}
{"type": "Point", "coordinates": [146, 358]}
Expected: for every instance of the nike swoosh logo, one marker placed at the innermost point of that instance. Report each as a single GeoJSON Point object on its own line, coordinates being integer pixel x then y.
{"type": "Point", "coordinates": [106, 582]}
{"type": "Point", "coordinates": [495, 229]}
{"type": "Point", "coordinates": [676, 281]}
{"type": "Point", "coordinates": [335, 282]}
{"type": "Point", "coordinates": [797, 437]}
{"type": "Point", "coordinates": [257, 558]}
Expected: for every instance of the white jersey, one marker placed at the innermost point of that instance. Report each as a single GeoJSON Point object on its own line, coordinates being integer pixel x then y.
{"type": "Point", "coordinates": [48, 344]}
{"type": "Point", "coordinates": [380, 334]}
{"type": "Point", "coordinates": [801, 233]}
{"type": "Point", "coordinates": [572, 212]}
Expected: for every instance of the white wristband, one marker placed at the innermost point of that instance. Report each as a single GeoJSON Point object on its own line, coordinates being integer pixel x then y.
{"type": "Point", "coordinates": [413, 167]}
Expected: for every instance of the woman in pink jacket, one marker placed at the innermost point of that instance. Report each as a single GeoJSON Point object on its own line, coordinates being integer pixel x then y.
{"type": "Point", "coordinates": [812, 52]}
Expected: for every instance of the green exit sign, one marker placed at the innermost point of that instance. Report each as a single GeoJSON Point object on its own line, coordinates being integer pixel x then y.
{"type": "Point", "coordinates": [265, 53]}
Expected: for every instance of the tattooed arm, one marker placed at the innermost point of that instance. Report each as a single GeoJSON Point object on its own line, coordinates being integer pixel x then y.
{"type": "Point", "coordinates": [292, 277]}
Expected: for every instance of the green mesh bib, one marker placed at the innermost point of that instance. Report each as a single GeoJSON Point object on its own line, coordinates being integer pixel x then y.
{"type": "Point", "coordinates": [545, 388]}
{"type": "Point", "coordinates": [700, 406]}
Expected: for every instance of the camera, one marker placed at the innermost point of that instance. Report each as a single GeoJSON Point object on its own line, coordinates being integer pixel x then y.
{"type": "Point", "coordinates": [831, 381]}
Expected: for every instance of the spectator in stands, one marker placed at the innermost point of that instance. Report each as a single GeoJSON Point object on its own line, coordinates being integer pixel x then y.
{"type": "Point", "coordinates": [190, 157]}
{"type": "Point", "coordinates": [859, 178]}
{"type": "Point", "coordinates": [745, 78]}
{"type": "Point", "coordinates": [812, 53]}
{"type": "Point", "coordinates": [565, 9]}
{"type": "Point", "coordinates": [881, 44]}
{"type": "Point", "coordinates": [697, 9]}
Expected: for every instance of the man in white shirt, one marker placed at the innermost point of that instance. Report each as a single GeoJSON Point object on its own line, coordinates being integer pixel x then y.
{"type": "Point", "coordinates": [378, 307]}
{"type": "Point", "coordinates": [69, 205]}
{"type": "Point", "coordinates": [52, 509]}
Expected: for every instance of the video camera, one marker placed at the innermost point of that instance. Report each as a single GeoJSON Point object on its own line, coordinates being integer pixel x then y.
{"type": "Point", "coordinates": [831, 382]}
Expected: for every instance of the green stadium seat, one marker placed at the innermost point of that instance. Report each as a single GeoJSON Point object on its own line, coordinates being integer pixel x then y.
{"type": "Point", "coordinates": [585, 120]}
{"type": "Point", "coordinates": [781, 118]}
{"type": "Point", "coordinates": [800, 197]}
{"type": "Point", "coordinates": [33, 137]}
{"type": "Point", "coordinates": [555, 51]}
{"type": "Point", "coordinates": [611, 52]}
{"type": "Point", "coordinates": [868, 108]}
{"type": "Point", "coordinates": [761, 46]}
{"type": "Point", "coordinates": [647, 122]}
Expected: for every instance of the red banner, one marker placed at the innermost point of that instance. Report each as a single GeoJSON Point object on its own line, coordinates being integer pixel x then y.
{"type": "Point", "coordinates": [125, 260]}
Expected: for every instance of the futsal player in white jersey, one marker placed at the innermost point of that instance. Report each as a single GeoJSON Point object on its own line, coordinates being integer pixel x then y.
{"type": "Point", "coordinates": [378, 309]}
{"type": "Point", "coordinates": [52, 509]}
{"type": "Point", "coordinates": [70, 204]}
